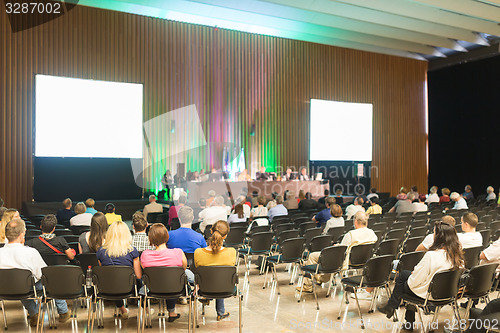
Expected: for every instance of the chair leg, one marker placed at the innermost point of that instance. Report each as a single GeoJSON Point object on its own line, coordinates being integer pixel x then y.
{"type": "Point", "coordinates": [264, 264]}
{"type": "Point", "coordinates": [359, 308]}
{"type": "Point", "coordinates": [89, 312]}
{"type": "Point", "coordinates": [139, 311]}
{"type": "Point", "coordinates": [315, 294]}
{"type": "Point", "coordinates": [4, 316]}
{"type": "Point", "coordinates": [39, 322]}
{"type": "Point", "coordinates": [332, 279]}
{"type": "Point", "coordinates": [265, 278]}
{"type": "Point", "coordinates": [240, 319]}
{"type": "Point", "coordinates": [276, 279]}
{"type": "Point", "coordinates": [342, 300]}
{"type": "Point", "coordinates": [419, 312]}
{"type": "Point", "coordinates": [371, 309]}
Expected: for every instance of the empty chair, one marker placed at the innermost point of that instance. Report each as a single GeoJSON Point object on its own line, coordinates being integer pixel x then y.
{"type": "Point", "coordinates": [336, 232]}
{"type": "Point", "coordinates": [419, 223]}
{"type": "Point", "coordinates": [481, 226]}
{"type": "Point", "coordinates": [281, 219]}
{"type": "Point", "coordinates": [395, 234]}
{"type": "Point", "coordinates": [260, 244]}
{"type": "Point", "coordinates": [305, 226]}
{"type": "Point", "coordinates": [379, 226]}
{"type": "Point", "coordinates": [359, 254]}
{"type": "Point", "coordinates": [282, 227]}
{"type": "Point", "coordinates": [388, 247]}
{"type": "Point", "coordinates": [486, 234]}
{"type": "Point", "coordinates": [63, 232]}
{"type": "Point", "coordinates": [471, 256]}
{"type": "Point", "coordinates": [318, 243]}
{"type": "Point", "coordinates": [236, 237]}
{"type": "Point", "coordinates": [71, 238]}
{"type": "Point", "coordinates": [399, 225]}
{"type": "Point", "coordinates": [86, 260]}
{"type": "Point", "coordinates": [418, 232]}
{"type": "Point", "coordinates": [79, 229]}
{"type": "Point", "coordinates": [33, 233]}
{"type": "Point", "coordinates": [478, 284]}
{"type": "Point", "coordinates": [260, 228]}
{"type": "Point", "coordinates": [299, 220]}
{"type": "Point", "coordinates": [412, 243]}
{"type": "Point", "coordinates": [310, 233]}
{"type": "Point", "coordinates": [153, 218]}
{"type": "Point", "coordinates": [55, 259]}
{"type": "Point", "coordinates": [239, 225]}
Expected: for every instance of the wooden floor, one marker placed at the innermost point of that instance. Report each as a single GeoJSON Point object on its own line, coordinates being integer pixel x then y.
{"type": "Point", "coordinates": [263, 311]}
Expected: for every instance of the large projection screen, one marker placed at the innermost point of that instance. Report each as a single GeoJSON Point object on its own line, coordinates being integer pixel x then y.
{"type": "Point", "coordinates": [87, 118]}
{"type": "Point", "coordinates": [340, 131]}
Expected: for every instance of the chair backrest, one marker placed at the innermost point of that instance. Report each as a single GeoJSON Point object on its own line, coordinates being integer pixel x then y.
{"type": "Point", "coordinates": [471, 255]}
{"type": "Point", "coordinates": [260, 228]}
{"type": "Point", "coordinates": [480, 279]}
{"type": "Point", "coordinates": [486, 234]}
{"type": "Point", "coordinates": [379, 226]}
{"type": "Point", "coordinates": [419, 231]}
{"type": "Point", "coordinates": [409, 260]}
{"type": "Point", "coordinates": [336, 232]}
{"type": "Point", "coordinates": [86, 260]}
{"type": "Point", "coordinates": [388, 247]}
{"type": "Point", "coordinates": [236, 236]}
{"type": "Point", "coordinates": [377, 270]}
{"type": "Point", "coordinates": [305, 226]}
{"type": "Point", "coordinates": [283, 226]}
{"type": "Point", "coordinates": [287, 234]}
{"type": "Point", "coordinates": [309, 234]}
{"type": "Point", "coordinates": [63, 232]}
{"type": "Point", "coordinates": [55, 259]}
{"type": "Point", "coordinates": [152, 217]}
{"type": "Point", "coordinates": [331, 258]}
{"type": "Point", "coordinates": [292, 249]}
{"type": "Point", "coordinates": [74, 246]}
{"type": "Point", "coordinates": [63, 282]}
{"type": "Point", "coordinates": [218, 281]}
{"type": "Point", "coordinates": [114, 280]}
{"type": "Point", "coordinates": [261, 241]}
{"type": "Point", "coordinates": [71, 238]}
{"type": "Point", "coordinates": [300, 219]}
{"type": "Point", "coordinates": [79, 229]}
{"type": "Point", "coordinates": [239, 225]}
{"type": "Point", "coordinates": [155, 277]}
{"type": "Point", "coordinates": [33, 232]}
{"type": "Point", "coordinates": [444, 285]}
{"type": "Point", "coordinates": [360, 254]}
{"type": "Point", "coordinates": [395, 234]}
{"type": "Point", "coordinates": [281, 219]}
{"type": "Point", "coordinates": [412, 243]}
{"type": "Point", "coordinates": [318, 243]}
{"type": "Point", "coordinates": [14, 281]}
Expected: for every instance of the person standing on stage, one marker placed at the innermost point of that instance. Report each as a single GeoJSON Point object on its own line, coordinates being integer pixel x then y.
{"type": "Point", "coordinates": [304, 175]}
{"type": "Point", "coordinates": [167, 180]}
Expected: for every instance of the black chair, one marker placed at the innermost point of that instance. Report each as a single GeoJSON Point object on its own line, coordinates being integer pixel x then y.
{"type": "Point", "coordinates": [359, 255]}
{"type": "Point", "coordinates": [260, 228]}
{"type": "Point", "coordinates": [412, 243]}
{"type": "Point", "coordinates": [63, 232]}
{"type": "Point", "coordinates": [330, 261]}
{"type": "Point", "coordinates": [55, 259]}
{"type": "Point", "coordinates": [486, 234]}
{"type": "Point", "coordinates": [18, 284]}
{"type": "Point", "coordinates": [282, 227]}
{"type": "Point", "coordinates": [408, 261]}
{"type": "Point", "coordinates": [471, 255]}
{"type": "Point", "coordinates": [154, 279]}
{"type": "Point", "coordinates": [63, 282]}
{"type": "Point", "coordinates": [442, 291]}
{"type": "Point", "coordinates": [418, 232]}
{"type": "Point", "coordinates": [86, 260]}
{"type": "Point", "coordinates": [309, 234]}
{"type": "Point", "coordinates": [239, 225]}
{"type": "Point", "coordinates": [260, 244]}
{"type": "Point", "coordinates": [376, 273]}
{"type": "Point", "coordinates": [396, 234]}
{"type": "Point", "coordinates": [478, 284]}
{"type": "Point", "coordinates": [336, 232]}
{"type": "Point", "coordinates": [71, 238]}
{"type": "Point", "coordinates": [388, 247]}
{"type": "Point", "coordinates": [217, 282]}
{"type": "Point", "coordinates": [33, 233]}
{"type": "Point", "coordinates": [382, 226]}
{"type": "Point", "coordinates": [318, 243]}
{"type": "Point", "coordinates": [79, 229]}
{"type": "Point", "coordinates": [74, 246]}
{"type": "Point", "coordinates": [290, 253]}
{"type": "Point", "coordinates": [236, 237]}
{"type": "Point", "coordinates": [302, 219]}
{"type": "Point", "coordinates": [306, 226]}
{"type": "Point", "coordinates": [174, 224]}
{"type": "Point", "coordinates": [287, 234]}
{"type": "Point", "coordinates": [113, 283]}
{"type": "Point", "coordinates": [153, 218]}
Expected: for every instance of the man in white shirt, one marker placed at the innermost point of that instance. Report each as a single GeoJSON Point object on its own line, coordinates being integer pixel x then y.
{"type": "Point", "coordinates": [16, 255]}
{"type": "Point", "coordinates": [490, 193]}
{"type": "Point", "coordinates": [460, 202]}
{"type": "Point", "coordinates": [373, 194]}
{"type": "Point", "coordinates": [152, 207]}
{"type": "Point", "coordinates": [419, 206]}
{"type": "Point", "coordinates": [217, 211]}
{"type": "Point", "coordinates": [355, 207]}
{"type": "Point", "coordinates": [361, 233]}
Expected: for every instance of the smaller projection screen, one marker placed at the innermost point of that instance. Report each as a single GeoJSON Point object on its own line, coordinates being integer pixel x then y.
{"type": "Point", "coordinates": [87, 118]}
{"type": "Point", "coordinates": [340, 131]}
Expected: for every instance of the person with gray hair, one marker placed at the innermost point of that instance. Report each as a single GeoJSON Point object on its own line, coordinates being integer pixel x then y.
{"type": "Point", "coordinates": [278, 210]}
{"type": "Point", "coordinates": [356, 206]}
{"type": "Point", "coordinates": [432, 196]}
{"type": "Point", "coordinates": [460, 202]}
{"type": "Point", "coordinates": [490, 193]}
{"type": "Point", "coordinates": [404, 205]}
{"type": "Point", "coordinates": [186, 238]}
{"type": "Point", "coordinates": [291, 202]}
{"type": "Point", "coordinates": [152, 207]}
{"type": "Point", "coordinates": [82, 218]}
{"type": "Point", "coordinates": [217, 211]}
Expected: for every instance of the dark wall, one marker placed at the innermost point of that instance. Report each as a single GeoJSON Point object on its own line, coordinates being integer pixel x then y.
{"type": "Point", "coordinates": [464, 118]}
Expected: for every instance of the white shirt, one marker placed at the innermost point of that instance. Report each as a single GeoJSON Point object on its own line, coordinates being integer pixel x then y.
{"type": "Point", "coordinates": [491, 196]}
{"type": "Point", "coordinates": [81, 219]}
{"type": "Point", "coordinates": [234, 218]}
{"type": "Point", "coordinates": [246, 210]}
{"type": "Point", "coordinates": [351, 210]}
{"type": "Point", "coordinates": [359, 236]}
{"type": "Point", "coordinates": [152, 207]}
{"type": "Point", "coordinates": [211, 215]}
{"type": "Point", "coordinates": [371, 195]}
{"type": "Point", "coordinates": [460, 204]}
{"type": "Point", "coordinates": [467, 239]}
{"type": "Point", "coordinates": [259, 211]}
{"type": "Point", "coordinates": [16, 255]}
{"type": "Point", "coordinates": [419, 207]}
{"type": "Point", "coordinates": [334, 222]}
{"type": "Point", "coordinates": [432, 263]}
{"type": "Point", "coordinates": [492, 252]}
{"type": "Point", "coordinates": [432, 198]}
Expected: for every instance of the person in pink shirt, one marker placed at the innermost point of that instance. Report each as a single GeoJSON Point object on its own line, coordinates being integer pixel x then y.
{"type": "Point", "coordinates": [162, 256]}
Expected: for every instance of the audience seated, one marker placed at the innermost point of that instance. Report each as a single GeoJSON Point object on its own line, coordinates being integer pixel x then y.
{"type": "Point", "coordinates": [325, 214]}
{"type": "Point", "coordinates": [259, 209]}
{"type": "Point", "coordinates": [215, 254]}
{"type": "Point", "coordinates": [322, 200]}
{"type": "Point", "coordinates": [468, 195]}
{"type": "Point", "coordinates": [211, 197]}
{"type": "Point", "coordinates": [374, 207]}
{"type": "Point", "coordinates": [278, 210]}
{"type": "Point", "coordinates": [490, 191]}
{"type": "Point", "coordinates": [186, 238]}
{"type": "Point", "coordinates": [302, 196]}
{"type": "Point", "coordinates": [118, 250]}
{"type": "Point", "coordinates": [162, 256]}
{"type": "Point", "coordinates": [173, 211]}
{"type": "Point", "coordinates": [460, 202]}
{"type": "Point", "coordinates": [482, 320]}
{"type": "Point", "coordinates": [65, 214]}
{"type": "Point", "coordinates": [16, 255]}
{"type": "Point", "coordinates": [356, 206]}
{"type": "Point", "coordinates": [272, 203]}
{"type": "Point", "coordinates": [110, 214]}
{"type": "Point", "coordinates": [372, 194]}
{"type": "Point", "coordinates": [419, 206]}
{"type": "Point", "coordinates": [404, 205]}
{"type": "Point", "coordinates": [238, 214]}
{"type": "Point", "coordinates": [433, 196]}
{"type": "Point", "coordinates": [202, 204]}
{"type": "Point", "coordinates": [217, 211]}
{"type": "Point", "coordinates": [82, 217]}
{"type": "Point", "coordinates": [90, 203]}
{"type": "Point", "coordinates": [290, 201]}
{"type": "Point", "coordinates": [91, 241]}
{"type": "Point", "coordinates": [48, 243]}
{"type": "Point", "coordinates": [414, 190]}
{"type": "Point", "coordinates": [336, 219]}
{"type": "Point", "coordinates": [338, 196]}
{"type": "Point", "coordinates": [140, 239]}
{"type": "Point", "coordinates": [152, 207]}
{"type": "Point", "coordinates": [242, 199]}
{"type": "Point", "coordinates": [402, 194]}
{"type": "Point", "coordinates": [308, 203]}
{"type": "Point", "coordinates": [2, 211]}
{"type": "Point", "coordinates": [445, 197]}
{"type": "Point", "coordinates": [8, 216]}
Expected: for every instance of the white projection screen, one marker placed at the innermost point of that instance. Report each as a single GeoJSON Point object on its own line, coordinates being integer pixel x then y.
{"type": "Point", "coordinates": [340, 131]}
{"type": "Point", "coordinates": [87, 118]}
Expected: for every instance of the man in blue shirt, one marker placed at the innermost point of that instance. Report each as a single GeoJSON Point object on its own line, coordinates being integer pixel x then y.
{"type": "Point", "coordinates": [278, 210]}
{"type": "Point", "coordinates": [65, 214]}
{"type": "Point", "coordinates": [324, 215]}
{"type": "Point", "coordinates": [185, 238]}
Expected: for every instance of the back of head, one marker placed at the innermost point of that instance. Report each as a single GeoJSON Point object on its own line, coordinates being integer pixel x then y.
{"type": "Point", "coordinates": [48, 223]}
{"type": "Point", "coordinates": [411, 196]}
{"type": "Point", "coordinates": [445, 237]}
{"type": "Point", "coordinates": [414, 188]}
{"type": "Point", "coordinates": [261, 200]}
{"type": "Point", "coordinates": [158, 234]}
{"type": "Point", "coordinates": [139, 221]}
{"type": "Point", "coordinates": [403, 190]}
{"type": "Point", "coordinates": [238, 209]}
{"type": "Point", "coordinates": [454, 196]}
{"type": "Point", "coordinates": [279, 199]}
{"type": "Point", "coordinates": [335, 210]}
{"type": "Point", "coordinates": [338, 192]}
{"type": "Point", "coordinates": [359, 200]}
{"type": "Point", "coordinates": [14, 229]}
{"type": "Point", "coordinates": [471, 219]}
{"type": "Point", "coordinates": [326, 193]}
{"type": "Point", "coordinates": [219, 200]}
{"type": "Point", "coordinates": [182, 199]}
{"type": "Point", "coordinates": [98, 229]}
{"type": "Point", "coordinates": [90, 203]}
{"type": "Point", "coordinates": [373, 190]}
{"type": "Point", "coordinates": [374, 200]}
{"type": "Point", "coordinates": [330, 201]}
{"type": "Point", "coordinates": [9, 214]}
{"type": "Point", "coordinates": [152, 198]}
{"type": "Point", "coordinates": [80, 208]}
{"type": "Point", "coordinates": [110, 208]}
{"type": "Point", "coordinates": [490, 189]}
{"type": "Point", "coordinates": [468, 188]}
{"type": "Point", "coordinates": [290, 195]}
{"type": "Point", "coordinates": [67, 203]}
{"type": "Point", "coordinates": [361, 218]}
{"type": "Point", "coordinates": [448, 219]}
{"type": "Point", "coordinates": [308, 195]}
{"type": "Point", "coordinates": [186, 215]}
{"type": "Point", "coordinates": [433, 190]}
{"type": "Point", "coordinates": [220, 229]}
{"type": "Point", "coordinates": [211, 193]}
{"type": "Point", "coordinates": [118, 240]}
{"type": "Point", "coordinates": [2, 211]}
{"type": "Point", "coordinates": [445, 191]}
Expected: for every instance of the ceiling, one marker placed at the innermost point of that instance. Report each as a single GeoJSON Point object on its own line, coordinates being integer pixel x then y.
{"type": "Point", "coordinates": [419, 29]}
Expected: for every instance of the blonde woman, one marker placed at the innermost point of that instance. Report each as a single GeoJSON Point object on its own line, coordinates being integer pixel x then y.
{"type": "Point", "coordinates": [118, 250]}
{"type": "Point", "coordinates": [215, 254]}
{"type": "Point", "coordinates": [8, 215]}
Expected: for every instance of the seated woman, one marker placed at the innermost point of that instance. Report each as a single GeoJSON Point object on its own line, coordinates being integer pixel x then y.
{"type": "Point", "coordinates": [238, 215]}
{"type": "Point", "coordinates": [215, 254]}
{"type": "Point", "coordinates": [81, 217]}
{"type": "Point", "coordinates": [446, 253]}
{"type": "Point", "coordinates": [90, 242]}
{"type": "Point", "coordinates": [161, 256]}
{"type": "Point", "coordinates": [118, 250]}
{"type": "Point", "coordinates": [336, 220]}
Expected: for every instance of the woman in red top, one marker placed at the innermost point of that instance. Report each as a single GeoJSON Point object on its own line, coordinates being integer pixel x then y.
{"type": "Point", "coordinates": [446, 195]}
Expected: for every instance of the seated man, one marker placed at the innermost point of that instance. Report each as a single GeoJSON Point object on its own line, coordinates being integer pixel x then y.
{"type": "Point", "coordinates": [304, 175]}
{"type": "Point", "coordinates": [278, 210]}
{"type": "Point", "coordinates": [325, 214]}
{"type": "Point", "coordinates": [185, 238]}
{"type": "Point", "coordinates": [152, 207]}
{"type": "Point", "coordinates": [404, 205]}
{"type": "Point", "coordinates": [65, 214]}
{"type": "Point", "coordinates": [322, 200]}
{"type": "Point", "coordinates": [356, 206]}
{"type": "Point", "coordinates": [460, 202]}
{"type": "Point", "coordinates": [48, 243]}
{"type": "Point", "coordinates": [373, 194]}
{"type": "Point", "coordinates": [140, 239]}
{"type": "Point", "coordinates": [308, 203]}
{"type": "Point", "coordinates": [217, 211]}
{"type": "Point", "coordinates": [291, 201]}
{"type": "Point", "coordinates": [16, 255]}
{"type": "Point", "coordinates": [262, 174]}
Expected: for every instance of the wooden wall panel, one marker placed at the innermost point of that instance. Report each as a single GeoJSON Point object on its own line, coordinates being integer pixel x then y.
{"type": "Point", "coordinates": [235, 80]}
